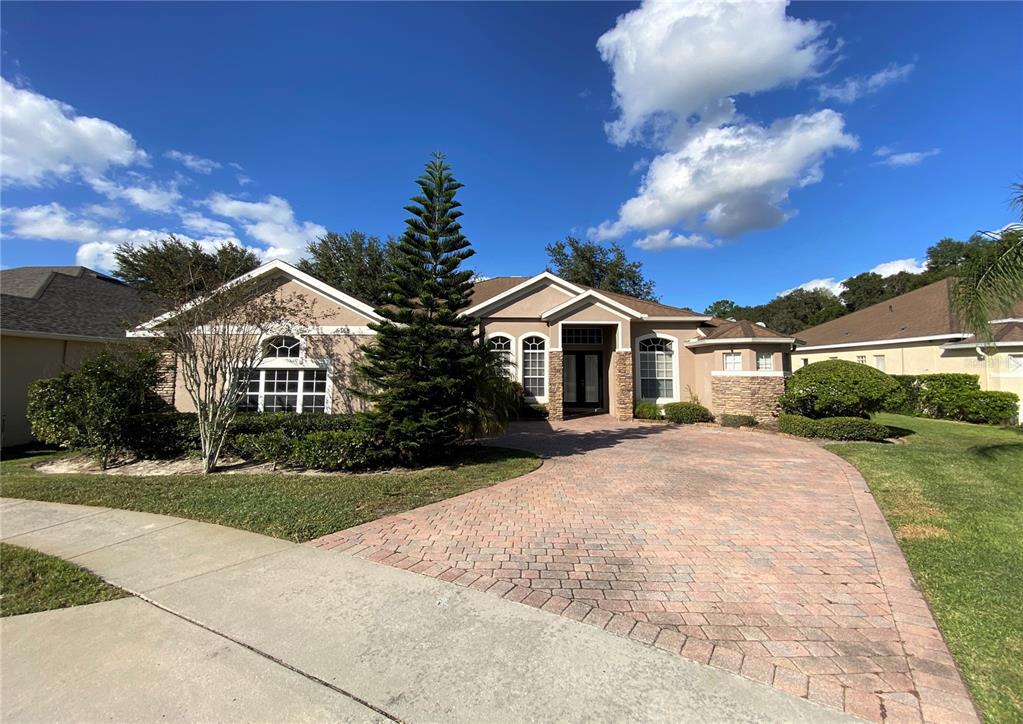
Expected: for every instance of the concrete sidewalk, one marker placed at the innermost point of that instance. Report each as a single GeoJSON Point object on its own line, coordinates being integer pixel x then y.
{"type": "Point", "coordinates": [237, 626]}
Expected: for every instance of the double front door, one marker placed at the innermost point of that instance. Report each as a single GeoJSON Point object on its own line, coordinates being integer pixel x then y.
{"type": "Point", "coordinates": [584, 380]}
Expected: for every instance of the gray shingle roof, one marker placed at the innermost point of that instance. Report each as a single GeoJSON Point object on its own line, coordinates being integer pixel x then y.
{"type": "Point", "coordinates": [70, 300]}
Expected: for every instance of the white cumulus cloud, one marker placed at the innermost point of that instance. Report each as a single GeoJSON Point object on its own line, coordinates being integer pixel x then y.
{"type": "Point", "coordinates": [884, 269]}
{"type": "Point", "coordinates": [148, 197]}
{"type": "Point", "coordinates": [686, 59]}
{"type": "Point", "coordinates": [888, 157]}
{"type": "Point", "coordinates": [732, 179]}
{"type": "Point", "coordinates": [677, 68]}
{"type": "Point", "coordinates": [666, 240]}
{"type": "Point", "coordinates": [43, 139]}
{"type": "Point", "coordinates": [271, 221]}
{"type": "Point", "coordinates": [96, 242]}
{"type": "Point", "coordinates": [852, 89]}
{"type": "Point", "coordinates": [193, 162]}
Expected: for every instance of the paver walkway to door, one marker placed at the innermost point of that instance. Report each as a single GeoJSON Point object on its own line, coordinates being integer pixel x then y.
{"type": "Point", "coordinates": [756, 553]}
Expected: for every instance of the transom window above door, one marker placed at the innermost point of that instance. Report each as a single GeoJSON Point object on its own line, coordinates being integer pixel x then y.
{"type": "Point", "coordinates": [279, 347]}
{"type": "Point", "coordinates": [582, 335]}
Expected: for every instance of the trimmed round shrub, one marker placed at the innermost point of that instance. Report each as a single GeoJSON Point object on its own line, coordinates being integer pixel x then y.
{"type": "Point", "coordinates": [992, 408]}
{"type": "Point", "coordinates": [837, 388]}
{"type": "Point", "coordinates": [163, 435]}
{"type": "Point", "coordinates": [944, 395]}
{"type": "Point", "coordinates": [353, 449]}
{"type": "Point", "coordinates": [646, 411]}
{"type": "Point", "coordinates": [737, 421]}
{"type": "Point", "coordinates": [687, 413]}
{"type": "Point", "coordinates": [906, 401]}
{"type": "Point", "coordinates": [273, 447]}
{"type": "Point", "coordinates": [797, 425]}
{"type": "Point", "coordinates": [850, 428]}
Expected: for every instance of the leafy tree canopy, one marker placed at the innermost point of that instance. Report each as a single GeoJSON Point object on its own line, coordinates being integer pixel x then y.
{"type": "Point", "coordinates": [722, 308]}
{"type": "Point", "coordinates": [788, 313]}
{"type": "Point", "coordinates": [598, 266]}
{"type": "Point", "coordinates": [355, 263]}
{"type": "Point", "coordinates": [179, 271]}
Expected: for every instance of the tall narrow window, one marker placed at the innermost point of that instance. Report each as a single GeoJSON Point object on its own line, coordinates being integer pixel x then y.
{"type": "Point", "coordinates": [879, 361]}
{"type": "Point", "coordinates": [732, 361]}
{"type": "Point", "coordinates": [656, 369]}
{"type": "Point", "coordinates": [503, 346]}
{"type": "Point", "coordinates": [534, 366]}
{"type": "Point", "coordinates": [765, 361]}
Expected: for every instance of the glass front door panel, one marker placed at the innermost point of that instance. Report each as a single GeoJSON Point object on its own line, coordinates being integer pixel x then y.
{"type": "Point", "coordinates": [571, 394]}
{"type": "Point", "coordinates": [592, 379]}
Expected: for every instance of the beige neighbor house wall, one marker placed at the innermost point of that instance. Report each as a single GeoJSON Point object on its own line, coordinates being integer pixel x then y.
{"type": "Point", "coordinates": [931, 357]}
{"type": "Point", "coordinates": [26, 359]}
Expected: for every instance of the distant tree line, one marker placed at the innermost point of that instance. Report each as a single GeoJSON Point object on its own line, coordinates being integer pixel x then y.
{"type": "Point", "coordinates": [802, 308]}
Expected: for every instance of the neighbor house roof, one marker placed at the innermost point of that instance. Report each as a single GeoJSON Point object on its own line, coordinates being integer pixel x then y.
{"type": "Point", "coordinates": [490, 288]}
{"type": "Point", "coordinates": [921, 314]}
{"type": "Point", "coordinates": [741, 330]}
{"type": "Point", "coordinates": [69, 302]}
{"type": "Point", "coordinates": [1005, 333]}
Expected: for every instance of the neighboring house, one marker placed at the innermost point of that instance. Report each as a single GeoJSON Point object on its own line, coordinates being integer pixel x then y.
{"type": "Point", "coordinates": [51, 319]}
{"type": "Point", "coordinates": [573, 348]}
{"type": "Point", "coordinates": [919, 333]}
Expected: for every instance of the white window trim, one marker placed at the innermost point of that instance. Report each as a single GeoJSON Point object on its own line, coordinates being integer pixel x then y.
{"type": "Point", "coordinates": [749, 373]}
{"type": "Point", "coordinates": [726, 354]}
{"type": "Point", "coordinates": [770, 361]}
{"type": "Point", "coordinates": [512, 351]}
{"type": "Point", "coordinates": [638, 382]}
{"type": "Point", "coordinates": [546, 366]}
{"type": "Point", "coordinates": [328, 390]}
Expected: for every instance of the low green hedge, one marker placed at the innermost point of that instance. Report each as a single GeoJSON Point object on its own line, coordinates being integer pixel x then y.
{"type": "Point", "coordinates": [952, 396]}
{"type": "Point", "coordinates": [834, 428]}
{"type": "Point", "coordinates": [687, 413]}
{"type": "Point", "coordinates": [797, 425]}
{"type": "Point", "coordinates": [646, 411]}
{"type": "Point", "coordinates": [353, 449]}
{"type": "Point", "coordinates": [737, 420]}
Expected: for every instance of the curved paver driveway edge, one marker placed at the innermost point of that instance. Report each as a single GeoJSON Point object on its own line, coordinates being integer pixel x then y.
{"type": "Point", "coordinates": [759, 554]}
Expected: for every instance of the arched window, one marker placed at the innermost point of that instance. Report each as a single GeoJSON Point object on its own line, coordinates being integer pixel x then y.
{"type": "Point", "coordinates": [282, 347]}
{"type": "Point", "coordinates": [534, 366]}
{"type": "Point", "coordinates": [656, 369]}
{"type": "Point", "coordinates": [503, 346]}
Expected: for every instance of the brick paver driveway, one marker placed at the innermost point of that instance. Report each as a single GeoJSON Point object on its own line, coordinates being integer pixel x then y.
{"type": "Point", "coordinates": [756, 553]}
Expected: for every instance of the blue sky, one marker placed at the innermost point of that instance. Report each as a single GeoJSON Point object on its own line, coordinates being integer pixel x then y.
{"type": "Point", "coordinates": [737, 151]}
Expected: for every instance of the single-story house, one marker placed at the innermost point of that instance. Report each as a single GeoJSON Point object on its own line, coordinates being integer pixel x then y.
{"type": "Point", "coordinates": [574, 349]}
{"type": "Point", "coordinates": [919, 333]}
{"type": "Point", "coordinates": [51, 319]}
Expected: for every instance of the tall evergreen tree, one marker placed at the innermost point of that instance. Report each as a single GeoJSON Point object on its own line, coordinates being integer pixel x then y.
{"type": "Point", "coordinates": [420, 360]}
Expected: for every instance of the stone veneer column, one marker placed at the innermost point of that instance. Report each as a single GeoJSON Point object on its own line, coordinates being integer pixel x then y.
{"type": "Point", "coordinates": [756, 396]}
{"type": "Point", "coordinates": [165, 383]}
{"type": "Point", "coordinates": [556, 385]}
{"type": "Point", "coordinates": [623, 386]}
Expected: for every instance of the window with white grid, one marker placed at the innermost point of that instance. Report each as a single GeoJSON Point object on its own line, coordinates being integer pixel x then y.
{"type": "Point", "coordinates": [534, 366]}
{"type": "Point", "coordinates": [861, 358]}
{"type": "Point", "coordinates": [732, 361]}
{"type": "Point", "coordinates": [765, 361]}
{"type": "Point", "coordinates": [284, 390]}
{"type": "Point", "coordinates": [503, 346]}
{"type": "Point", "coordinates": [656, 369]}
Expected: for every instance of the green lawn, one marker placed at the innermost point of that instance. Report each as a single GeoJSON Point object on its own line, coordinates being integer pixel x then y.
{"type": "Point", "coordinates": [31, 582]}
{"type": "Point", "coordinates": [295, 507]}
{"type": "Point", "coordinates": [953, 494]}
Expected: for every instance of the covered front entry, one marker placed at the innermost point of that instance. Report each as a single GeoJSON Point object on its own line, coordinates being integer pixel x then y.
{"type": "Point", "coordinates": [585, 383]}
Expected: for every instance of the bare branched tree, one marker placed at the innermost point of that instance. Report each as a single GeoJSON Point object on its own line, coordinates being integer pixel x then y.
{"type": "Point", "coordinates": [218, 338]}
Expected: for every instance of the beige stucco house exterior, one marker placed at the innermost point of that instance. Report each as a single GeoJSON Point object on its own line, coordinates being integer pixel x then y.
{"type": "Point", "coordinates": [919, 333]}
{"type": "Point", "coordinates": [52, 319]}
{"type": "Point", "coordinates": [574, 349]}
